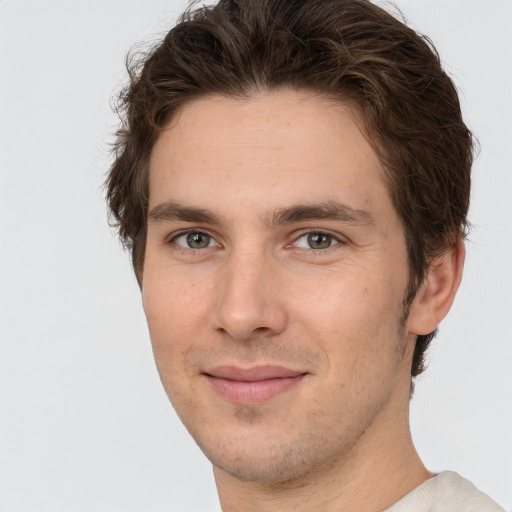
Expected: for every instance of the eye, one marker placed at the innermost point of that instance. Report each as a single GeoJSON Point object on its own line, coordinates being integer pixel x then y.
{"type": "Point", "coordinates": [316, 240]}
{"type": "Point", "coordinates": [194, 240]}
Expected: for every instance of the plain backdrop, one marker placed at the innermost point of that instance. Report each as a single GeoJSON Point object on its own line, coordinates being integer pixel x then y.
{"type": "Point", "coordinates": [84, 423]}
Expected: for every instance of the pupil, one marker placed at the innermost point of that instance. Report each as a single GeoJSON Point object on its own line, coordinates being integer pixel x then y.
{"type": "Point", "coordinates": [198, 240]}
{"type": "Point", "coordinates": [319, 241]}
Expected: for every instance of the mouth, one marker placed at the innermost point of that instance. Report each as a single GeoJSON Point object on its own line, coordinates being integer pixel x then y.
{"type": "Point", "coordinates": [250, 386]}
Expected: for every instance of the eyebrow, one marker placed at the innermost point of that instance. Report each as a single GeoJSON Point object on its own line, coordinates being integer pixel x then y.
{"type": "Point", "coordinates": [170, 211]}
{"type": "Point", "coordinates": [331, 210]}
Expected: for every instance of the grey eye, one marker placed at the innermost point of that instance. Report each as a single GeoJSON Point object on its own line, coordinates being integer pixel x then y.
{"type": "Point", "coordinates": [316, 240]}
{"type": "Point", "coordinates": [198, 240]}
{"type": "Point", "coordinates": [319, 240]}
{"type": "Point", "coordinates": [194, 240]}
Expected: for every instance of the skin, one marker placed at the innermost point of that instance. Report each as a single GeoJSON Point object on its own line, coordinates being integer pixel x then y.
{"type": "Point", "coordinates": [257, 293]}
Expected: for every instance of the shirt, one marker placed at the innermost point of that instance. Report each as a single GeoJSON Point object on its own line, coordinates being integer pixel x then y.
{"type": "Point", "coordinates": [446, 492]}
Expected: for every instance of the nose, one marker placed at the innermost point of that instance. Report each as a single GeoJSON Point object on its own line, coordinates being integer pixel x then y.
{"type": "Point", "coordinates": [249, 298]}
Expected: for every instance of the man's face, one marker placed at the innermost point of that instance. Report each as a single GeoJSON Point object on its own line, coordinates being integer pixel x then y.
{"type": "Point", "coordinates": [273, 285]}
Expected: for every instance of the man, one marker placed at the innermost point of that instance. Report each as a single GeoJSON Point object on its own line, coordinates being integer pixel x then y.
{"type": "Point", "coordinates": [292, 180]}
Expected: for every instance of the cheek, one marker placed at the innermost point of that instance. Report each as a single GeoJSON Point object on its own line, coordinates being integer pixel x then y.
{"type": "Point", "coordinates": [339, 302]}
{"type": "Point", "coordinates": [355, 320]}
{"type": "Point", "coordinates": [175, 309]}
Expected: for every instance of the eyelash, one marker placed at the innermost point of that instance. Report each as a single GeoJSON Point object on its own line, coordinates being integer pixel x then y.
{"type": "Point", "coordinates": [336, 240]}
{"type": "Point", "coordinates": [172, 240]}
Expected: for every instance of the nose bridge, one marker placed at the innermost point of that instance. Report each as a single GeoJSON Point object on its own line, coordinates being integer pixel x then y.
{"type": "Point", "coordinates": [247, 297]}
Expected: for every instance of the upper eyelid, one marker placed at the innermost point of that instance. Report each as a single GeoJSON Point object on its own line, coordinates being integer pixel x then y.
{"type": "Point", "coordinates": [170, 242]}
{"type": "Point", "coordinates": [338, 236]}
{"type": "Point", "coordinates": [292, 238]}
{"type": "Point", "coordinates": [176, 234]}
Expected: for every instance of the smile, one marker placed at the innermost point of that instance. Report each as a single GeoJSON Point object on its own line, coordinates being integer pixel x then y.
{"type": "Point", "coordinates": [254, 385]}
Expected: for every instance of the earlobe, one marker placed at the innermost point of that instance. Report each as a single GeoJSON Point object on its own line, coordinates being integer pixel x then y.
{"type": "Point", "coordinates": [437, 292]}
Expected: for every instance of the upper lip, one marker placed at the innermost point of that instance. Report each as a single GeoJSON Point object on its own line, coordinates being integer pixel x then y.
{"type": "Point", "coordinates": [254, 374]}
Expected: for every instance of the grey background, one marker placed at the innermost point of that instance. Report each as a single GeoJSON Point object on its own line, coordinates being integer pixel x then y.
{"type": "Point", "coordinates": [84, 423]}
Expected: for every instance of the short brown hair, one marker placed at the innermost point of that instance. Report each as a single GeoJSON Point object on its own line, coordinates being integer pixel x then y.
{"type": "Point", "coordinates": [351, 50]}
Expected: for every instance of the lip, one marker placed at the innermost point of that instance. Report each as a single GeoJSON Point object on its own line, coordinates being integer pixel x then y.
{"type": "Point", "coordinates": [252, 385]}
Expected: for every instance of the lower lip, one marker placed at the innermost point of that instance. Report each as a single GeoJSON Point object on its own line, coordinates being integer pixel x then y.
{"type": "Point", "coordinates": [248, 393]}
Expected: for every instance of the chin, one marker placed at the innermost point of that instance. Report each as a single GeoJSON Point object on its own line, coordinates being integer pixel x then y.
{"type": "Point", "coordinates": [266, 457]}
{"type": "Point", "coordinates": [267, 468]}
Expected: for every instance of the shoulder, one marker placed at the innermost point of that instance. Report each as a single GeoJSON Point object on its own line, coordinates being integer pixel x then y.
{"type": "Point", "coordinates": [452, 492]}
{"type": "Point", "coordinates": [446, 492]}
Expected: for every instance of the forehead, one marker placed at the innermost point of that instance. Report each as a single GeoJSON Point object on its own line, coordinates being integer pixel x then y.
{"type": "Point", "coordinates": [270, 148]}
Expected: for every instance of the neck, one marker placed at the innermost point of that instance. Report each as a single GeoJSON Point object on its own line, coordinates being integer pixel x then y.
{"type": "Point", "coordinates": [382, 467]}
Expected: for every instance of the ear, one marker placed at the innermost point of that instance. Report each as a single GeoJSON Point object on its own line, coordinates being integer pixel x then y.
{"type": "Point", "coordinates": [437, 292]}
